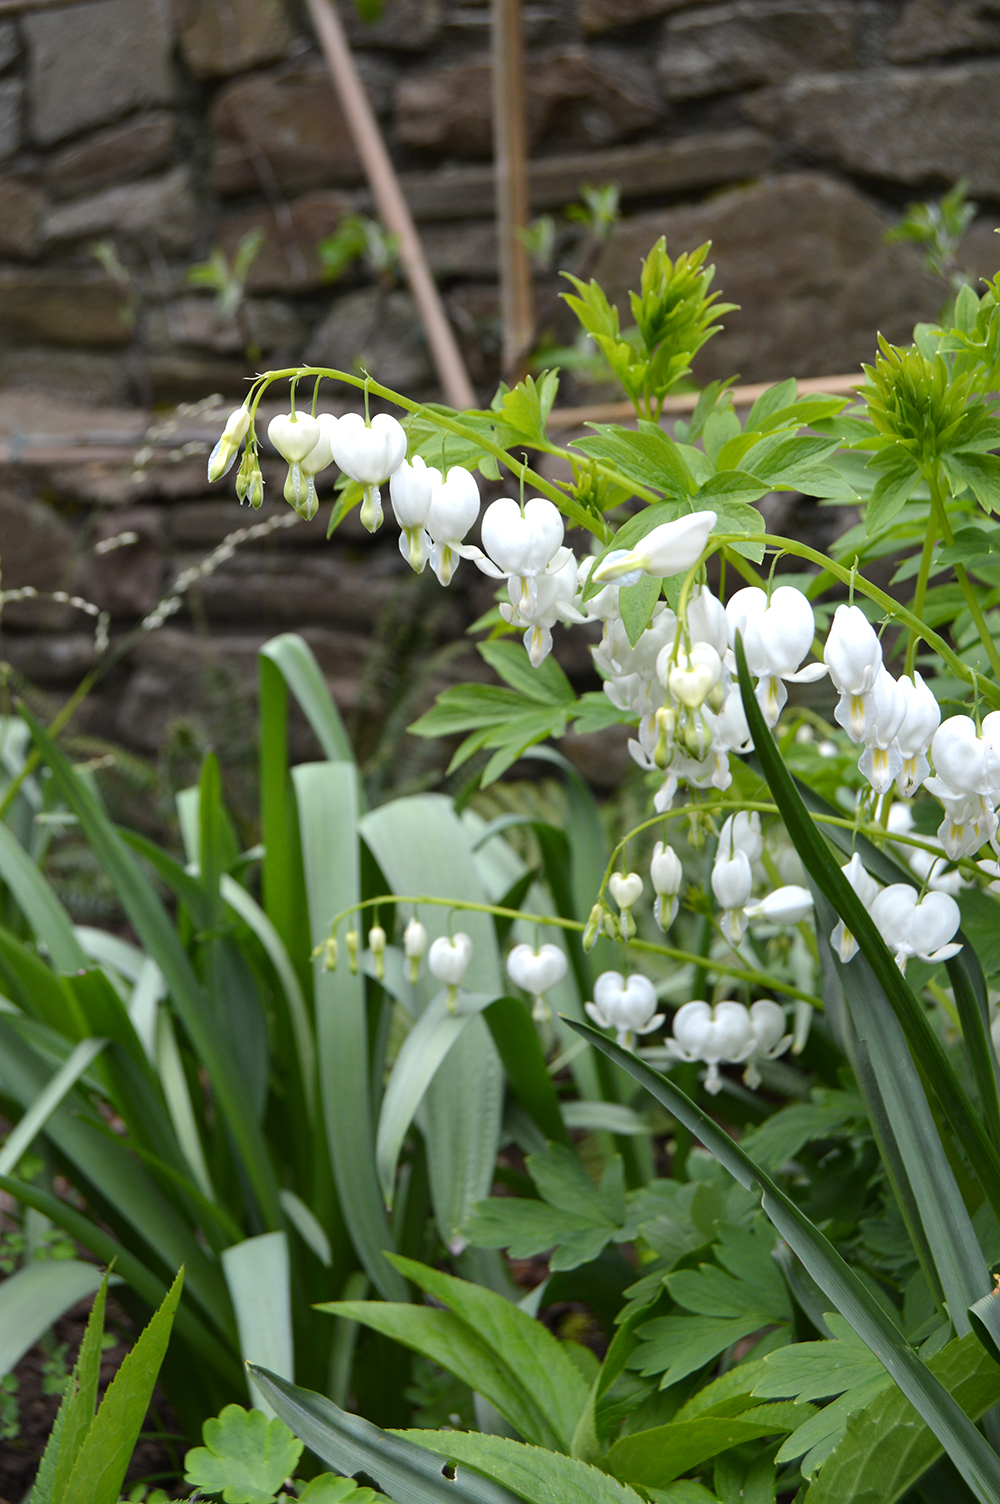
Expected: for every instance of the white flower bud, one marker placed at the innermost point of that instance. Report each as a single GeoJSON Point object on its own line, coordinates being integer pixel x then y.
{"type": "Point", "coordinates": [666, 875]}
{"type": "Point", "coordinates": [448, 958]}
{"type": "Point", "coordinates": [672, 548]}
{"type": "Point", "coordinates": [293, 435]}
{"type": "Point", "coordinates": [786, 905]}
{"type": "Point", "coordinates": [536, 971]}
{"type": "Point", "coordinates": [376, 944]}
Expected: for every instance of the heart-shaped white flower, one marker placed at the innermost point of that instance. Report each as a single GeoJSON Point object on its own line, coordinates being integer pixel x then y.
{"type": "Point", "coordinates": [536, 971]}
{"type": "Point", "coordinates": [628, 1007]}
{"type": "Point", "coordinates": [448, 958]}
{"type": "Point", "coordinates": [293, 435]}
{"type": "Point", "coordinates": [626, 888]}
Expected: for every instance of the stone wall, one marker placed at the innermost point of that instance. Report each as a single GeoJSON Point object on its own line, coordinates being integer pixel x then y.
{"type": "Point", "coordinates": [137, 136]}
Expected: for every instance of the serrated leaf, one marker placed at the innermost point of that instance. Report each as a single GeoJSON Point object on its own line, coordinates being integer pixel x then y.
{"type": "Point", "coordinates": [729, 487]}
{"type": "Point", "coordinates": [524, 411]}
{"type": "Point", "coordinates": [76, 1412]}
{"type": "Point", "coordinates": [646, 455]}
{"type": "Point", "coordinates": [105, 1453]}
{"type": "Point", "coordinates": [816, 1438]}
{"type": "Point", "coordinates": [246, 1457]}
{"type": "Point", "coordinates": [780, 1137]}
{"type": "Point", "coordinates": [537, 1477]}
{"type": "Point", "coordinates": [861, 1465]}
{"type": "Point", "coordinates": [676, 1346]}
{"type": "Point", "coordinates": [327, 1488]}
{"type": "Point", "coordinates": [467, 707]}
{"type": "Point", "coordinates": [969, 544]}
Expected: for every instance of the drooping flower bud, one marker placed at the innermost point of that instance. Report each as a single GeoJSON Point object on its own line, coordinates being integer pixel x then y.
{"type": "Point", "coordinates": [293, 435]}
{"type": "Point", "coordinates": [626, 890]}
{"type": "Point", "coordinates": [592, 929]}
{"type": "Point", "coordinates": [232, 436]}
{"type": "Point", "coordinates": [786, 905]}
{"type": "Point", "coordinates": [537, 971]}
{"type": "Point", "coordinates": [414, 945]}
{"type": "Point", "coordinates": [353, 939]}
{"type": "Point", "coordinates": [666, 875]}
{"type": "Point", "coordinates": [376, 944]}
{"type": "Point", "coordinates": [672, 548]}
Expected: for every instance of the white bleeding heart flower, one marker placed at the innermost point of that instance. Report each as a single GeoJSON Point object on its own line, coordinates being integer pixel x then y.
{"type": "Point", "coordinates": [691, 677]}
{"type": "Point", "coordinates": [921, 719]}
{"type": "Point", "coordinates": [853, 655]}
{"type": "Point", "coordinates": [293, 435]}
{"type": "Point", "coordinates": [536, 971]}
{"type": "Point", "coordinates": [448, 961]}
{"type": "Point", "coordinates": [921, 928]}
{"type": "Point", "coordinates": [741, 832]}
{"type": "Point", "coordinates": [867, 890]}
{"type": "Point", "coordinates": [732, 884]}
{"type": "Point", "coordinates": [769, 1039]}
{"type": "Point", "coordinates": [706, 619]}
{"type": "Point", "coordinates": [411, 488]}
{"type": "Point", "coordinates": [520, 543]}
{"type": "Point", "coordinates": [666, 874]}
{"type": "Point", "coordinates": [964, 761]}
{"type": "Point", "coordinates": [711, 1035]}
{"type": "Point", "coordinates": [628, 1007]}
{"type": "Point", "coordinates": [626, 888]}
{"type": "Point", "coordinates": [672, 548]}
{"type": "Point", "coordinates": [777, 634]}
{"type": "Point", "coordinates": [232, 436]}
{"type": "Point", "coordinates": [368, 454]}
{"type": "Point", "coordinates": [454, 508]}
{"type": "Point", "coordinates": [787, 905]}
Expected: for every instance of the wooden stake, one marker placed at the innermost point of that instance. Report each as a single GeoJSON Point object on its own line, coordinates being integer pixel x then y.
{"type": "Point", "coordinates": [391, 204]}
{"type": "Point", "coordinates": [510, 156]}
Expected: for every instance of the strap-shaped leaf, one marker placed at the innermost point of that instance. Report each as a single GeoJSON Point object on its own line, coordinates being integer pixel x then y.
{"type": "Point", "coordinates": [969, 1451]}
{"type": "Point", "coordinates": [966, 1123]}
{"type": "Point", "coordinates": [408, 1473]}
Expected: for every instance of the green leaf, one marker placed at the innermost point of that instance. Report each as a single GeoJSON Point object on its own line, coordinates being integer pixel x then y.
{"type": "Point", "coordinates": [780, 1137]}
{"type": "Point", "coordinates": [76, 1411]}
{"type": "Point", "coordinates": [246, 1457]}
{"type": "Point", "coordinates": [326, 1488]}
{"type": "Point", "coordinates": [891, 492]}
{"type": "Point", "coordinates": [516, 1039]}
{"type": "Point", "coordinates": [968, 1450]}
{"type": "Point", "coordinates": [160, 939]}
{"type": "Point", "coordinates": [105, 1453]}
{"type": "Point", "coordinates": [537, 1477]}
{"type": "Point", "coordinates": [467, 706]}
{"type": "Point", "coordinates": [863, 1466]}
{"type": "Point", "coordinates": [547, 684]}
{"type": "Point", "coordinates": [328, 797]}
{"type": "Point", "coordinates": [636, 604]}
{"type": "Point", "coordinates": [548, 1377]}
{"type": "Point", "coordinates": [816, 1438]}
{"type": "Point", "coordinates": [524, 411]}
{"type": "Point", "coordinates": [351, 1445]}
{"type": "Point", "coordinates": [34, 1297]}
{"type": "Point", "coordinates": [296, 662]}
{"type": "Point", "coordinates": [648, 456]}
{"type": "Point", "coordinates": [676, 1346]}
{"type": "Point", "coordinates": [970, 544]}
{"type": "Point", "coordinates": [49, 921]}
{"type": "Point", "coordinates": [729, 486]}
{"type": "Point", "coordinates": [23, 1134]}
{"type": "Point", "coordinates": [980, 472]}
{"type": "Point", "coordinates": [656, 1457]}
{"type": "Point", "coordinates": [447, 1341]}
{"type": "Point", "coordinates": [258, 1276]}
{"type": "Point", "coordinates": [776, 400]}
{"type": "Point", "coordinates": [422, 847]}
{"type": "Point", "coordinates": [984, 1318]}
{"type": "Point", "coordinates": [818, 1370]}
{"type": "Point", "coordinates": [574, 1218]}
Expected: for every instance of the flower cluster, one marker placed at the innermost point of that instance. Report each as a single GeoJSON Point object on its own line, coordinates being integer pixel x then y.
{"type": "Point", "coordinates": [729, 1033]}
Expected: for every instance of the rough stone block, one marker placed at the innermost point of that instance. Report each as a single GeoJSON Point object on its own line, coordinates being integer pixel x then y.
{"type": "Point", "coordinates": [376, 330]}
{"type": "Point", "coordinates": [641, 170]}
{"type": "Point", "coordinates": [63, 307]}
{"type": "Point", "coordinates": [193, 322]}
{"type": "Point", "coordinates": [182, 376]}
{"type": "Point", "coordinates": [603, 15]}
{"type": "Point", "coordinates": [717, 49]}
{"type": "Point", "coordinates": [11, 97]}
{"type": "Point", "coordinates": [135, 146]}
{"type": "Point", "coordinates": [52, 658]}
{"type": "Point", "coordinates": [21, 208]}
{"type": "Point", "coordinates": [81, 376]}
{"type": "Point", "coordinates": [804, 257]}
{"type": "Point", "coordinates": [462, 249]}
{"type": "Point", "coordinates": [286, 128]}
{"type": "Point", "coordinates": [128, 580]}
{"type": "Point", "coordinates": [288, 259]}
{"type": "Point", "coordinates": [403, 26]}
{"type": "Point", "coordinates": [935, 28]}
{"type": "Point", "coordinates": [216, 40]}
{"type": "Point", "coordinates": [10, 47]}
{"type": "Point", "coordinates": [273, 592]}
{"type": "Point", "coordinates": [931, 126]}
{"type": "Point", "coordinates": [90, 63]}
{"type": "Point", "coordinates": [574, 98]}
{"type": "Point", "coordinates": [40, 551]}
{"type": "Point", "coordinates": [161, 209]}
